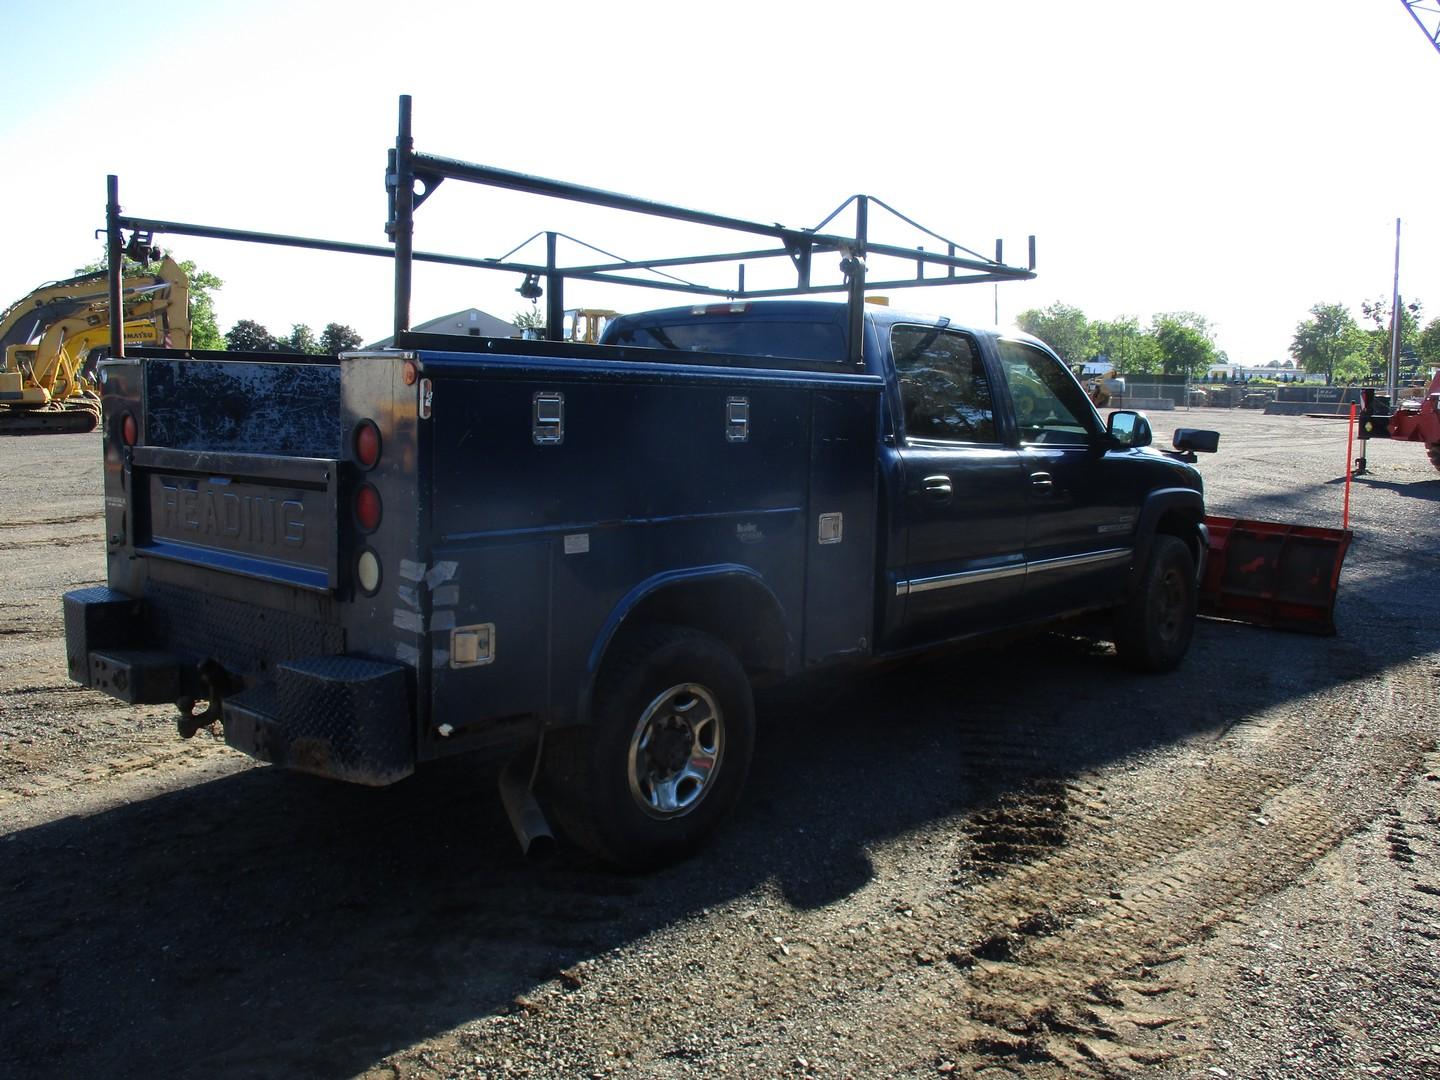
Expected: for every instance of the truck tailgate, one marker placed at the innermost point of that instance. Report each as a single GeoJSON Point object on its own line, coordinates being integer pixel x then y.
{"type": "Point", "coordinates": [264, 516]}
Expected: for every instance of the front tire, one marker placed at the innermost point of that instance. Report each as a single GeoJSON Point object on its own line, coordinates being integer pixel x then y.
{"type": "Point", "coordinates": [1154, 628]}
{"type": "Point", "coordinates": [666, 754]}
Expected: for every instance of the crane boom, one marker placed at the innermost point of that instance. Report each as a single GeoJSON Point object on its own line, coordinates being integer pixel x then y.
{"type": "Point", "coordinates": [1427, 9]}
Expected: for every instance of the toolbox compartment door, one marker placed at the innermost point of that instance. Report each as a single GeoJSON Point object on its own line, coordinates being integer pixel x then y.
{"type": "Point", "coordinates": [840, 540]}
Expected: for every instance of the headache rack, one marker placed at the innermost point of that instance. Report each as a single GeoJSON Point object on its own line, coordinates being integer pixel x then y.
{"type": "Point", "coordinates": [413, 176]}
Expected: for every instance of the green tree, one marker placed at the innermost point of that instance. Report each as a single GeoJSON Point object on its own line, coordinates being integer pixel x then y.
{"type": "Point", "coordinates": [1062, 327]}
{"type": "Point", "coordinates": [1352, 368]}
{"type": "Point", "coordinates": [247, 335]}
{"type": "Point", "coordinates": [1191, 319]}
{"type": "Point", "coordinates": [1377, 312]}
{"type": "Point", "coordinates": [1328, 339]}
{"type": "Point", "coordinates": [204, 328]}
{"type": "Point", "coordinates": [1427, 346]}
{"type": "Point", "coordinates": [1184, 342]}
{"type": "Point", "coordinates": [1131, 350]}
{"type": "Point", "coordinates": [302, 339]}
{"type": "Point", "coordinates": [337, 338]}
{"type": "Point", "coordinates": [534, 319]}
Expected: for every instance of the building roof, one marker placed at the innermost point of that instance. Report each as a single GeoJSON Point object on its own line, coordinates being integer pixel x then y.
{"type": "Point", "coordinates": [471, 322]}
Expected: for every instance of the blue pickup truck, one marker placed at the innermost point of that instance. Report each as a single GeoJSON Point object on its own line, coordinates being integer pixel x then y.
{"type": "Point", "coordinates": [587, 555]}
{"type": "Point", "coordinates": [582, 557]}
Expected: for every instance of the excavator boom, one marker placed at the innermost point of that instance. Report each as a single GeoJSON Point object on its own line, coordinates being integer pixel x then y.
{"type": "Point", "coordinates": [48, 336]}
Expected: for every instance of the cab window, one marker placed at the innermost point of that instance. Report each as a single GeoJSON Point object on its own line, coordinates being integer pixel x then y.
{"type": "Point", "coordinates": [1050, 407]}
{"type": "Point", "coordinates": [943, 387]}
{"type": "Point", "coordinates": [745, 336]}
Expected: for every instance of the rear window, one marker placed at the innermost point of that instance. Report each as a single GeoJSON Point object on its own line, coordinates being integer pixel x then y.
{"type": "Point", "coordinates": [744, 337]}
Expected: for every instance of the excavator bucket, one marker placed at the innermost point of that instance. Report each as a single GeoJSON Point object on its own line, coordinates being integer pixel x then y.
{"type": "Point", "coordinates": [1282, 576]}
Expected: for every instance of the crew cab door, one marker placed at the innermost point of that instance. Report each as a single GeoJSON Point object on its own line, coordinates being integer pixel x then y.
{"type": "Point", "coordinates": [958, 494]}
{"type": "Point", "coordinates": [1082, 511]}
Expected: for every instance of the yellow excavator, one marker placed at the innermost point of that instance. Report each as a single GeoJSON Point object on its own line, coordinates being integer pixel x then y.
{"type": "Point", "coordinates": [1103, 384]}
{"type": "Point", "coordinates": [587, 324]}
{"type": "Point", "coordinates": [53, 337]}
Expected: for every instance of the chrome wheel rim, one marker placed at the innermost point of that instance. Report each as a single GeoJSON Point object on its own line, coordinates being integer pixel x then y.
{"type": "Point", "coordinates": [675, 751]}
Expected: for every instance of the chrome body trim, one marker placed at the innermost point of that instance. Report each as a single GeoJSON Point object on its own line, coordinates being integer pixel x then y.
{"type": "Point", "coordinates": [966, 577]}
{"type": "Point", "coordinates": [999, 573]}
{"type": "Point", "coordinates": [1092, 558]}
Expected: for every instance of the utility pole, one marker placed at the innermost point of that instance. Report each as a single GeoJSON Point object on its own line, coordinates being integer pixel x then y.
{"type": "Point", "coordinates": [1392, 374]}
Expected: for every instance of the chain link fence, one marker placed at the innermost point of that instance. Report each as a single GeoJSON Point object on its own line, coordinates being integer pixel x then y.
{"type": "Point", "coordinates": [1143, 394]}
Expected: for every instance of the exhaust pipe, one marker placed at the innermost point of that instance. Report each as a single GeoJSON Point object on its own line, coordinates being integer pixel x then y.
{"type": "Point", "coordinates": [517, 795]}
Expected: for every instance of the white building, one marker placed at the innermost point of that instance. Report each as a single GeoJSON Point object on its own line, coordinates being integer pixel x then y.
{"type": "Point", "coordinates": [472, 322]}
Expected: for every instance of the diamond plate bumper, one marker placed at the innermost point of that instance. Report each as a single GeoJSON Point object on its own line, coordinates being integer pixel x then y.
{"type": "Point", "coordinates": [333, 715]}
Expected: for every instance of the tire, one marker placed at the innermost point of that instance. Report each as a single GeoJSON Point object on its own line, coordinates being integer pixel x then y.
{"type": "Point", "coordinates": [1154, 628]}
{"type": "Point", "coordinates": [665, 756]}
{"type": "Point", "coordinates": [1433, 450]}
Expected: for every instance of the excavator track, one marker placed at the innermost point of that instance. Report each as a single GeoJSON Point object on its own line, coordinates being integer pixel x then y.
{"type": "Point", "coordinates": [74, 417]}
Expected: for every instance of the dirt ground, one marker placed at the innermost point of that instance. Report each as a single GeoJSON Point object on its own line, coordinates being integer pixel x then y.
{"type": "Point", "coordinates": [1024, 862]}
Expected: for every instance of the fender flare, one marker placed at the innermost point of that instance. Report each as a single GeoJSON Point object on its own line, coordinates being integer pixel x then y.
{"type": "Point", "coordinates": [1190, 504]}
{"type": "Point", "coordinates": [735, 573]}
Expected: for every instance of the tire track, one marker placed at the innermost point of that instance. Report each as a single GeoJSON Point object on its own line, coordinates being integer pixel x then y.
{"type": "Point", "coordinates": [69, 519]}
{"type": "Point", "coordinates": [1071, 980]}
{"type": "Point", "coordinates": [1051, 951]}
{"type": "Point", "coordinates": [169, 756]}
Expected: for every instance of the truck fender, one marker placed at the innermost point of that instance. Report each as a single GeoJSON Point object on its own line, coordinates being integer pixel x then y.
{"type": "Point", "coordinates": [1168, 505]}
{"type": "Point", "coordinates": [771, 648]}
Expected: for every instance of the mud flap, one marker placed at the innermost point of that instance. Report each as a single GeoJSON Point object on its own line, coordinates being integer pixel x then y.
{"type": "Point", "coordinates": [1268, 574]}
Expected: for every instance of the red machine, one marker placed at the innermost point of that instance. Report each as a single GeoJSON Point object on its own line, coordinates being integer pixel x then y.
{"type": "Point", "coordinates": [1408, 425]}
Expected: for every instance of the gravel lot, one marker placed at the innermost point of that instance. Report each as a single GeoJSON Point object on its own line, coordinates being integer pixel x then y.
{"type": "Point", "coordinates": [1016, 863]}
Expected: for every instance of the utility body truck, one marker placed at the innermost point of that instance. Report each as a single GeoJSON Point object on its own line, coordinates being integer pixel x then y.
{"type": "Point", "coordinates": [583, 557]}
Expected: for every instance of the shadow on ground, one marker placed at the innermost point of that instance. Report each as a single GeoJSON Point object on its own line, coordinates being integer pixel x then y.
{"type": "Point", "coordinates": [268, 923]}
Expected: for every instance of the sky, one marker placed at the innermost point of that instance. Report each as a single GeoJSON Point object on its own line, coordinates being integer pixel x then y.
{"type": "Point", "coordinates": [1243, 159]}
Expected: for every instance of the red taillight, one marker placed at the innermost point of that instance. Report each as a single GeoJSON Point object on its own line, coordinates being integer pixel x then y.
{"type": "Point", "coordinates": [129, 430]}
{"type": "Point", "coordinates": [367, 507]}
{"type": "Point", "coordinates": [367, 443]}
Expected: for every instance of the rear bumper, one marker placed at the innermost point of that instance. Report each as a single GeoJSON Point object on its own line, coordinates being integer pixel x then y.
{"type": "Point", "coordinates": [334, 715]}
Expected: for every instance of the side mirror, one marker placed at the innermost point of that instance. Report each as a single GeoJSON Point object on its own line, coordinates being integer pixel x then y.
{"type": "Point", "coordinates": [1128, 429]}
{"type": "Point", "coordinates": [1195, 440]}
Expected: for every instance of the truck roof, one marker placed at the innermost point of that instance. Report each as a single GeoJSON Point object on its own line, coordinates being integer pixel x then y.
{"type": "Point", "coordinates": [818, 327]}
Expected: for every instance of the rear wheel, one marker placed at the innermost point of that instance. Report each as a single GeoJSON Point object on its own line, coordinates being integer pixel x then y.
{"type": "Point", "coordinates": [1154, 628]}
{"type": "Point", "coordinates": [666, 755]}
{"type": "Point", "coordinates": [1434, 451]}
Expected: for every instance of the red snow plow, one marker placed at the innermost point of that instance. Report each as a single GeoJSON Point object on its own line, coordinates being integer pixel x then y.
{"type": "Point", "coordinates": [1265, 573]}
{"type": "Point", "coordinates": [1268, 574]}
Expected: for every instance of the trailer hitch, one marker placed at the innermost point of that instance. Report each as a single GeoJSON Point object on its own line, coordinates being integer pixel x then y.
{"type": "Point", "coordinates": [215, 684]}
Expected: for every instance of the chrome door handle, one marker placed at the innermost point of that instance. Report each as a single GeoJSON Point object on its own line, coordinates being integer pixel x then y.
{"type": "Point", "coordinates": [1041, 481]}
{"type": "Point", "coordinates": [938, 487]}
